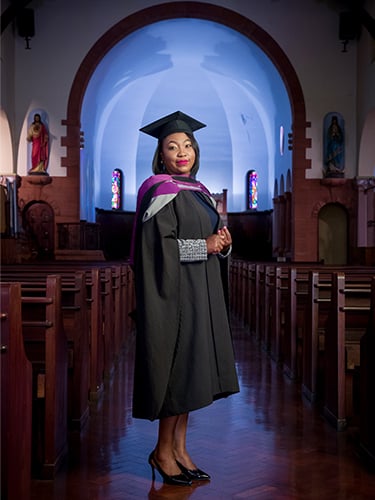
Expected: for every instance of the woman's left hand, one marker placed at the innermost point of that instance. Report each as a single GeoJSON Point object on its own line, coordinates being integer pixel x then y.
{"type": "Point", "coordinates": [225, 236]}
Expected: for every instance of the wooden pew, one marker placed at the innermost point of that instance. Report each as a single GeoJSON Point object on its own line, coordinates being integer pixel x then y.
{"type": "Point", "coordinates": [250, 297]}
{"type": "Point", "coordinates": [118, 304]}
{"type": "Point", "coordinates": [291, 345]}
{"type": "Point", "coordinates": [243, 291]}
{"type": "Point", "coordinates": [111, 299]}
{"type": "Point", "coordinates": [46, 347]}
{"type": "Point", "coordinates": [256, 286]}
{"type": "Point", "coordinates": [15, 399]}
{"type": "Point", "coordinates": [248, 294]}
{"type": "Point", "coordinates": [294, 310]}
{"type": "Point", "coordinates": [280, 306]}
{"type": "Point", "coordinates": [234, 271]}
{"type": "Point", "coordinates": [298, 319]}
{"type": "Point", "coordinates": [348, 319]}
{"type": "Point", "coordinates": [263, 307]}
{"type": "Point", "coordinates": [128, 301]}
{"type": "Point", "coordinates": [367, 377]}
{"type": "Point", "coordinates": [286, 319]}
{"type": "Point", "coordinates": [283, 291]}
{"type": "Point", "coordinates": [74, 307]}
{"type": "Point", "coordinates": [335, 320]}
{"type": "Point", "coordinates": [76, 325]}
{"type": "Point", "coordinates": [109, 325]}
{"type": "Point", "coordinates": [275, 332]}
{"type": "Point", "coordinates": [316, 310]}
{"type": "Point", "coordinates": [96, 338]}
{"type": "Point", "coordinates": [286, 314]}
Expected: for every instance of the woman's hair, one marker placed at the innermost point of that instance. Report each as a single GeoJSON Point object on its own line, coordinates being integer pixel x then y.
{"type": "Point", "coordinates": [157, 162]}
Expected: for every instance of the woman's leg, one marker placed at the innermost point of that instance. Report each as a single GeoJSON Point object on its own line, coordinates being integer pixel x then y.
{"type": "Point", "coordinates": [171, 447]}
{"type": "Point", "coordinates": [181, 454]}
{"type": "Point", "coordinates": [164, 450]}
{"type": "Point", "coordinates": [180, 451]}
{"type": "Point", "coordinates": [171, 444]}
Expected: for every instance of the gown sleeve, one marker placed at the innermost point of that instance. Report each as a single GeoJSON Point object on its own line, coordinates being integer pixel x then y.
{"type": "Point", "coordinates": [157, 294]}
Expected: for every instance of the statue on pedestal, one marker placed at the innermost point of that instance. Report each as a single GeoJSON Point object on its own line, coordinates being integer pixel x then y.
{"type": "Point", "coordinates": [37, 134]}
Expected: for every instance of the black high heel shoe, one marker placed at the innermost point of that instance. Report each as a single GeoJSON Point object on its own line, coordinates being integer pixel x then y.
{"type": "Point", "coordinates": [177, 480]}
{"type": "Point", "coordinates": [194, 474]}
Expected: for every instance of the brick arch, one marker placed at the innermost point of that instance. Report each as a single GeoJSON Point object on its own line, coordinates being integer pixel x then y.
{"type": "Point", "coordinates": [188, 10]}
{"type": "Point", "coordinates": [175, 10]}
{"type": "Point", "coordinates": [49, 199]}
{"type": "Point", "coordinates": [337, 200]}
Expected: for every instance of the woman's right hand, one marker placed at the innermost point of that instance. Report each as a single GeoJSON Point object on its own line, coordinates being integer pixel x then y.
{"type": "Point", "coordinates": [215, 243]}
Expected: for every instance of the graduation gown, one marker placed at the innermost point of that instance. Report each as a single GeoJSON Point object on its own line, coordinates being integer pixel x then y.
{"type": "Point", "coordinates": [184, 352]}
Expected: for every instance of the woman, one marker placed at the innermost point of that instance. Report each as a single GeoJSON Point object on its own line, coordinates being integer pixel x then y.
{"type": "Point", "coordinates": [184, 354]}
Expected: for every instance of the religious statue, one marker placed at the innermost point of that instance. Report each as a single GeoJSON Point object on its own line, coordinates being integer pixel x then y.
{"type": "Point", "coordinates": [334, 149]}
{"type": "Point", "coordinates": [37, 134]}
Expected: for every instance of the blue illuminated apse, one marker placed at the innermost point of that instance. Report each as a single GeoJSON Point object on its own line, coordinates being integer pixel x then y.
{"type": "Point", "coordinates": [206, 70]}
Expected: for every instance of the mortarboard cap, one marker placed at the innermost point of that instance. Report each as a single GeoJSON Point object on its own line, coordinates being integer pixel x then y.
{"type": "Point", "coordinates": [175, 122]}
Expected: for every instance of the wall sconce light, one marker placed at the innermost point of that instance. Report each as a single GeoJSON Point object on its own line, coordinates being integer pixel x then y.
{"type": "Point", "coordinates": [26, 25]}
{"type": "Point", "coordinates": [349, 28]}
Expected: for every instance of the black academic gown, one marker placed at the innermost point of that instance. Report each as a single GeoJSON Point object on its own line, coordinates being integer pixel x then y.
{"type": "Point", "coordinates": [184, 353]}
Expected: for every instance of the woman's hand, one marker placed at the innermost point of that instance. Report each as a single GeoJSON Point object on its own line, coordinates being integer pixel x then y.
{"type": "Point", "coordinates": [216, 243]}
{"type": "Point", "coordinates": [226, 237]}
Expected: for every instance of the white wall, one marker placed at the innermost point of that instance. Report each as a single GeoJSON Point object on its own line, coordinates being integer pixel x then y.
{"type": "Point", "coordinates": [7, 142]}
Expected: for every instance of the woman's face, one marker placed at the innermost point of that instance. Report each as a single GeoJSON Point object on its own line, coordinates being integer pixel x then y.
{"type": "Point", "coordinates": [178, 154]}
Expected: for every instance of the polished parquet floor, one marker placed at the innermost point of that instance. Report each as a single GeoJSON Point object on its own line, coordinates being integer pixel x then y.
{"type": "Point", "coordinates": [263, 443]}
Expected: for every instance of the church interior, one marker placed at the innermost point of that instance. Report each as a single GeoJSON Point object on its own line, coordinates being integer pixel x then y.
{"type": "Point", "coordinates": [286, 91]}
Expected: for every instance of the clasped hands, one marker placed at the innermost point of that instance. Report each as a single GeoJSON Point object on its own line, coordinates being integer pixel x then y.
{"type": "Point", "coordinates": [219, 242]}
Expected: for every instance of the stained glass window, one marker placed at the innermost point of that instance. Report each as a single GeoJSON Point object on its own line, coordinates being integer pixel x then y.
{"type": "Point", "coordinates": [252, 190]}
{"type": "Point", "coordinates": [116, 189]}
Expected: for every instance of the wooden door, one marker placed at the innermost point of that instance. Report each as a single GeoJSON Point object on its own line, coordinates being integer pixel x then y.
{"type": "Point", "coordinates": [333, 234]}
{"type": "Point", "coordinates": [39, 226]}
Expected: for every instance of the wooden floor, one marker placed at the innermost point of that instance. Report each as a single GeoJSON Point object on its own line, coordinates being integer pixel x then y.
{"type": "Point", "coordinates": [263, 443]}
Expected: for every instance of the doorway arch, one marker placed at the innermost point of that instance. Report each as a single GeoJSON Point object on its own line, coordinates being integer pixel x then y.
{"type": "Point", "coordinates": [175, 10]}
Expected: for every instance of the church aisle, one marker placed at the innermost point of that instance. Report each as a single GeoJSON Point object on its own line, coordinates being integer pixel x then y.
{"type": "Point", "coordinates": [263, 443]}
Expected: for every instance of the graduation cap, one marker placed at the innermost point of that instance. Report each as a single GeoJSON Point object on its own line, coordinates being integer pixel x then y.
{"type": "Point", "coordinates": [175, 122]}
